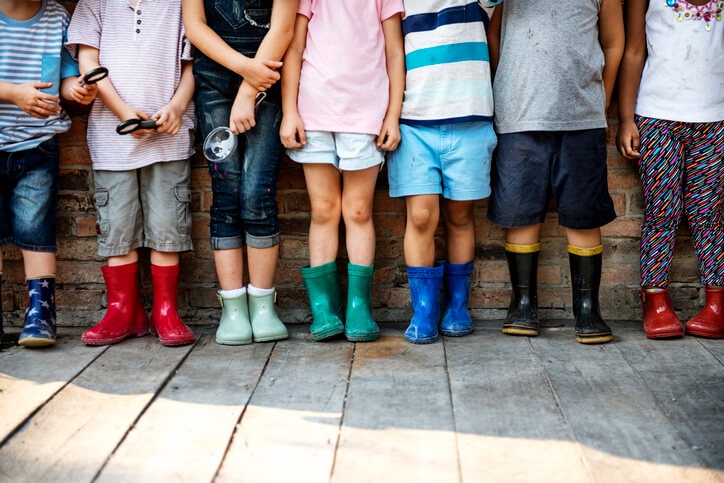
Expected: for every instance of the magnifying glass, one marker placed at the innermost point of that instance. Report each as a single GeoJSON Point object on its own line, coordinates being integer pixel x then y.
{"type": "Point", "coordinates": [93, 76]}
{"type": "Point", "coordinates": [221, 143]}
{"type": "Point", "coordinates": [133, 125]}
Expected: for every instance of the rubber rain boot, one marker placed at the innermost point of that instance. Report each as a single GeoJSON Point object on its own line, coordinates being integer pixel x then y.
{"type": "Point", "coordinates": [234, 326]}
{"type": "Point", "coordinates": [359, 325]}
{"type": "Point", "coordinates": [456, 321]}
{"type": "Point", "coordinates": [660, 320]}
{"type": "Point", "coordinates": [522, 318]}
{"type": "Point", "coordinates": [586, 281]}
{"type": "Point", "coordinates": [39, 330]}
{"type": "Point", "coordinates": [265, 322]}
{"type": "Point", "coordinates": [425, 284]}
{"type": "Point", "coordinates": [710, 321]}
{"type": "Point", "coordinates": [125, 316]}
{"type": "Point", "coordinates": [165, 320]}
{"type": "Point", "coordinates": [325, 300]}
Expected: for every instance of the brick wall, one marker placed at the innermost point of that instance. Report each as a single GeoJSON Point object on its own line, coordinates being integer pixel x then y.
{"type": "Point", "coordinates": [81, 298]}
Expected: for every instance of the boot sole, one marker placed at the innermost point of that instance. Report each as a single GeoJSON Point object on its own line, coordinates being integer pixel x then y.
{"type": "Point", "coordinates": [697, 333]}
{"type": "Point", "coordinates": [459, 333]}
{"type": "Point", "coordinates": [425, 341]}
{"type": "Point", "coordinates": [272, 338]}
{"type": "Point", "coordinates": [594, 338]}
{"type": "Point", "coordinates": [667, 335]}
{"type": "Point", "coordinates": [362, 338]}
{"type": "Point", "coordinates": [36, 342]}
{"type": "Point", "coordinates": [100, 342]}
{"type": "Point", "coordinates": [326, 335]}
{"type": "Point", "coordinates": [513, 329]}
{"type": "Point", "coordinates": [232, 342]}
{"type": "Point", "coordinates": [174, 343]}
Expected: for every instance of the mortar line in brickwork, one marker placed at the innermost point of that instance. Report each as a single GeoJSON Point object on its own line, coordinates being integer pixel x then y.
{"type": "Point", "coordinates": [25, 421]}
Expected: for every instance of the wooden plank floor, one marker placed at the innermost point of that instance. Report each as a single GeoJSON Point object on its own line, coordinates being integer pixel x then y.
{"type": "Point", "coordinates": [487, 407]}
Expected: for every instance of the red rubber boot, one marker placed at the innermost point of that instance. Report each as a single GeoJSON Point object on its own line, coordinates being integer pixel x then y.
{"type": "Point", "coordinates": [710, 321]}
{"type": "Point", "coordinates": [165, 320]}
{"type": "Point", "coordinates": [125, 316]}
{"type": "Point", "coordinates": [660, 321]}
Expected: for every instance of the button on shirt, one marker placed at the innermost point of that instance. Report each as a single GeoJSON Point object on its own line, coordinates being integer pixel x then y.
{"type": "Point", "coordinates": [143, 48]}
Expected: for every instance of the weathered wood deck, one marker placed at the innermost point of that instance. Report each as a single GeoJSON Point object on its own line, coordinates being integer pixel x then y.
{"type": "Point", "coordinates": [487, 407]}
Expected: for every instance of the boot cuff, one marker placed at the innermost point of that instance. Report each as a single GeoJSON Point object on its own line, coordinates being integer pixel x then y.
{"type": "Point", "coordinates": [585, 252]}
{"type": "Point", "coordinates": [159, 271]}
{"type": "Point", "coordinates": [119, 270]}
{"type": "Point", "coordinates": [459, 269]}
{"type": "Point", "coordinates": [426, 272]}
{"type": "Point", "coordinates": [512, 247]}
{"type": "Point", "coordinates": [360, 270]}
{"type": "Point", "coordinates": [319, 271]}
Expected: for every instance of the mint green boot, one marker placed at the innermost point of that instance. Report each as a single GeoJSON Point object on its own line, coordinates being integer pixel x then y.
{"type": "Point", "coordinates": [234, 327]}
{"type": "Point", "coordinates": [265, 323]}
{"type": "Point", "coordinates": [359, 325]}
{"type": "Point", "coordinates": [325, 299]}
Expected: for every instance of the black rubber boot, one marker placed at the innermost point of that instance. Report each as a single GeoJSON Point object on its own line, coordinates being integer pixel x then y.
{"type": "Point", "coordinates": [522, 316]}
{"type": "Point", "coordinates": [585, 281]}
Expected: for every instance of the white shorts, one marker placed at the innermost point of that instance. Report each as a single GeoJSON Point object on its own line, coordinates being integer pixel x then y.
{"type": "Point", "coordinates": [345, 151]}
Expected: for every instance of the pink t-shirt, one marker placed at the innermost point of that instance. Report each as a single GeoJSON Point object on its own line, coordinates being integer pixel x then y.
{"type": "Point", "coordinates": [344, 85]}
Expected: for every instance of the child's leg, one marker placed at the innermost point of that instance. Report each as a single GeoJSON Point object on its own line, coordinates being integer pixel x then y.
{"type": "Point", "coordinates": [357, 197]}
{"type": "Point", "coordinates": [584, 238]}
{"type": "Point", "coordinates": [164, 259]}
{"type": "Point", "coordinates": [37, 264]}
{"type": "Point", "coordinates": [325, 196]}
{"type": "Point", "coordinates": [423, 215]}
{"type": "Point", "coordinates": [459, 221]}
{"type": "Point", "coordinates": [525, 235]}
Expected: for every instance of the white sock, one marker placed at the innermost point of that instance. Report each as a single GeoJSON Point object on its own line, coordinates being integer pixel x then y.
{"type": "Point", "coordinates": [231, 294]}
{"type": "Point", "coordinates": [259, 291]}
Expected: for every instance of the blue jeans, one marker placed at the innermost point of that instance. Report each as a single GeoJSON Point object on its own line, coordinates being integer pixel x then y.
{"type": "Point", "coordinates": [29, 197]}
{"type": "Point", "coordinates": [244, 208]}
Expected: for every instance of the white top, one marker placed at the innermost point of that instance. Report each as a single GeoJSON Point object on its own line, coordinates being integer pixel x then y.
{"type": "Point", "coordinates": [683, 78]}
{"type": "Point", "coordinates": [143, 48]}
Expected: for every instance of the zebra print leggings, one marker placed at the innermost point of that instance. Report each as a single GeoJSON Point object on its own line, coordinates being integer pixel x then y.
{"type": "Point", "coordinates": [682, 170]}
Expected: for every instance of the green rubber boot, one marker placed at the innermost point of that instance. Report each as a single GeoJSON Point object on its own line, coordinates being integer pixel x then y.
{"type": "Point", "coordinates": [265, 323]}
{"type": "Point", "coordinates": [359, 324]}
{"type": "Point", "coordinates": [325, 299]}
{"type": "Point", "coordinates": [234, 327]}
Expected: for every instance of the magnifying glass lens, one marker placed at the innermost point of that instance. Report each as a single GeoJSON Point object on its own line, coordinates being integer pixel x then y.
{"type": "Point", "coordinates": [219, 145]}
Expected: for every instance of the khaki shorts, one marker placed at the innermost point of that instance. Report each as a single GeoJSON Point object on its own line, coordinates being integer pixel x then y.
{"type": "Point", "coordinates": [146, 207]}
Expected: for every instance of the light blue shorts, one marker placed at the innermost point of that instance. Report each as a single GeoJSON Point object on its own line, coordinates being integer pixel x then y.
{"type": "Point", "coordinates": [448, 159]}
{"type": "Point", "coordinates": [345, 151]}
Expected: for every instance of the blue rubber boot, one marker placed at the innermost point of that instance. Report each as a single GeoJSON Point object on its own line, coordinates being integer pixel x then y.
{"type": "Point", "coordinates": [456, 321]}
{"type": "Point", "coordinates": [39, 330]}
{"type": "Point", "coordinates": [425, 285]}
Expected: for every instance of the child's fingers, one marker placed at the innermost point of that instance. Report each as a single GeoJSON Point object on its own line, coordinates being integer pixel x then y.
{"type": "Point", "coordinates": [302, 135]}
{"type": "Point", "coordinates": [273, 64]}
{"type": "Point", "coordinates": [45, 110]}
{"type": "Point", "coordinates": [43, 96]}
{"type": "Point", "coordinates": [42, 85]}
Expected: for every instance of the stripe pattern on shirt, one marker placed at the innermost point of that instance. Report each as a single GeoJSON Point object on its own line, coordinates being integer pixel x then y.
{"type": "Point", "coordinates": [448, 68]}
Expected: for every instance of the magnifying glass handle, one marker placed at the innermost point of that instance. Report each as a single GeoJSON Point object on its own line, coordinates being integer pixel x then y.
{"type": "Point", "coordinates": [150, 124]}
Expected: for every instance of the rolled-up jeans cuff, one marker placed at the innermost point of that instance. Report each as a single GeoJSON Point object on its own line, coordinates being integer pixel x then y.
{"type": "Point", "coordinates": [227, 243]}
{"type": "Point", "coordinates": [263, 241]}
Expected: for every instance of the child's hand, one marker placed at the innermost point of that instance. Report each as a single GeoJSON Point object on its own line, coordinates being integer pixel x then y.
{"type": "Point", "coordinates": [168, 119]}
{"type": "Point", "coordinates": [628, 140]}
{"type": "Point", "coordinates": [242, 117]}
{"type": "Point", "coordinates": [131, 112]}
{"type": "Point", "coordinates": [292, 132]}
{"type": "Point", "coordinates": [390, 136]}
{"type": "Point", "coordinates": [38, 104]}
{"type": "Point", "coordinates": [83, 94]}
{"type": "Point", "coordinates": [261, 74]}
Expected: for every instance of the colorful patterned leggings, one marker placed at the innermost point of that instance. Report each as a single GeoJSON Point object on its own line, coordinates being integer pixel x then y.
{"type": "Point", "coordinates": [682, 169]}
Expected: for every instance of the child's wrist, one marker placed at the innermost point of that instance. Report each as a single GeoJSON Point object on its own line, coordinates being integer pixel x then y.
{"type": "Point", "coordinates": [246, 90]}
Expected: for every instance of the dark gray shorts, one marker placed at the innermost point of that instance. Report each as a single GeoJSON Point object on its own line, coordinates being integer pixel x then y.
{"type": "Point", "coordinates": [146, 207]}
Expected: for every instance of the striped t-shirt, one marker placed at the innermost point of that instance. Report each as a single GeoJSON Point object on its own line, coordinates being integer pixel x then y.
{"type": "Point", "coordinates": [143, 48]}
{"type": "Point", "coordinates": [32, 51]}
{"type": "Point", "coordinates": [446, 53]}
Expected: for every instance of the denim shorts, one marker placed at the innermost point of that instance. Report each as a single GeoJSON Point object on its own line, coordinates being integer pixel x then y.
{"type": "Point", "coordinates": [529, 167]}
{"type": "Point", "coordinates": [29, 197]}
{"type": "Point", "coordinates": [146, 207]}
{"type": "Point", "coordinates": [244, 208]}
{"type": "Point", "coordinates": [448, 159]}
{"type": "Point", "coordinates": [344, 151]}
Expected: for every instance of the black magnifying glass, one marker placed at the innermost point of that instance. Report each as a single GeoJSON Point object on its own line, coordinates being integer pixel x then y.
{"type": "Point", "coordinates": [93, 76]}
{"type": "Point", "coordinates": [133, 125]}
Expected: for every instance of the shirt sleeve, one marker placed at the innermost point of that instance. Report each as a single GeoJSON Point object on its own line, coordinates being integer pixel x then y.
{"type": "Point", "coordinates": [187, 48]}
{"type": "Point", "coordinates": [85, 26]}
{"type": "Point", "coordinates": [305, 8]}
{"type": "Point", "coordinates": [390, 8]}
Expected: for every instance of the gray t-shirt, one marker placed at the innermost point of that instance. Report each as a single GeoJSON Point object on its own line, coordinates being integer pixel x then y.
{"type": "Point", "coordinates": [550, 74]}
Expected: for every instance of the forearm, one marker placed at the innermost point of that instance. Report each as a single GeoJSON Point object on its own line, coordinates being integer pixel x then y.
{"type": "Point", "coordinates": [88, 60]}
{"type": "Point", "coordinates": [494, 38]}
{"type": "Point", "coordinates": [628, 84]}
{"type": "Point", "coordinates": [395, 56]}
{"type": "Point", "coordinates": [612, 59]}
{"type": "Point", "coordinates": [7, 92]}
{"type": "Point", "coordinates": [66, 88]}
{"type": "Point", "coordinates": [292, 68]}
{"type": "Point", "coordinates": [185, 90]}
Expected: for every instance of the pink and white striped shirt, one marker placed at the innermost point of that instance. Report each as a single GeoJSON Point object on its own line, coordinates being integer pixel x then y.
{"type": "Point", "coordinates": [143, 47]}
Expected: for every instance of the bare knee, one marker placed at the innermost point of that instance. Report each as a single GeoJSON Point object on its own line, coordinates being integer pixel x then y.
{"type": "Point", "coordinates": [423, 218]}
{"type": "Point", "coordinates": [459, 217]}
{"type": "Point", "coordinates": [326, 211]}
{"type": "Point", "coordinates": [358, 212]}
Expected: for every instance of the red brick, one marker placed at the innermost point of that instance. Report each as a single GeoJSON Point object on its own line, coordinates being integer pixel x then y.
{"type": "Point", "coordinates": [623, 227]}
{"type": "Point", "coordinates": [86, 226]}
{"type": "Point", "coordinates": [74, 156]}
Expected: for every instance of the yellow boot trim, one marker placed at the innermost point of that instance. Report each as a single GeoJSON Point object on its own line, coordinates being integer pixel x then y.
{"type": "Point", "coordinates": [512, 247]}
{"type": "Point", "coordinates": [585, 252]}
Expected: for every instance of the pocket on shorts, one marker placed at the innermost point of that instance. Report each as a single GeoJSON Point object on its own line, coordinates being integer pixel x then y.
{"type": "Point", "coordinates": [102, 218]}
{"type": "Point", "coordinates": [183, 208]}
{"type": "Point", "coordinates": [238, 13]}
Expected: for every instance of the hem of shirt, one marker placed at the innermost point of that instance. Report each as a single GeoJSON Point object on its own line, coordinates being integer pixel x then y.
{"type": "Point", "coordinates": [453, 120]}
{"type": "Point", "coordinates": [21, 146]}
{"type": "Point", "coordinates": [342, 125]}
{"type": "Point", "coordinates": [133, 167]}
{"type": "Point", "coordinates": [687, 118]}
{"type": "Point", "coordinates": [550, 126]}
